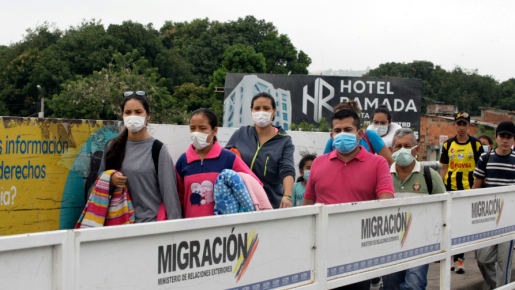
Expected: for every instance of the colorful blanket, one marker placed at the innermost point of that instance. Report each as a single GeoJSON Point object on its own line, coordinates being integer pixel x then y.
{"type": "Point", "coordinates": [97, 213]}
{"type": "Point", "coordinates": [231, 195]}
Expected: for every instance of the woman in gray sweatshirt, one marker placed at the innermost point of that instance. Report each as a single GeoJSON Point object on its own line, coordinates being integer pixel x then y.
{"type": "Point", "coordinates": [131, 154]}
{"type": "Point", "coordinates": [267, 150]}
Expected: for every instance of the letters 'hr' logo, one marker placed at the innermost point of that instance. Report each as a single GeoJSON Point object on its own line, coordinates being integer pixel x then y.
{"type": "Point", "coordinates": [318, 101]}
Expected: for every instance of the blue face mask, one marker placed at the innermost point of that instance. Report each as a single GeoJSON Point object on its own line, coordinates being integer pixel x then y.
{"type": "Point", "coordinates": [345, 142]}
{"type": "Point", "coordinates": [485, 148]}
{"type": "Point", "coordinates": [306, 175]}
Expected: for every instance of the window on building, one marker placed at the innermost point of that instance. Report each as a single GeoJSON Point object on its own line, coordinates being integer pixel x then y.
{"type": "Point", "coordinates": [285, 117]}
{"type": "Point", "coordinates": [285, 108]}
{"type": "Point", "coordinates": [262, 87]}
{"type": "Point", "coordinates": [277, 124]}
{"type": "Point", "coordinates": [284, 97]}
{"type": "Point", "coordinates": [285, 127]}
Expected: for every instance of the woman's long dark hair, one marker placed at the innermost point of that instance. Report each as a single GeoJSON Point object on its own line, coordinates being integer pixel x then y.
{"type": "Point", "coordinates": [302, 163]}
{"type": "Point", "coordinates": [116, 153]}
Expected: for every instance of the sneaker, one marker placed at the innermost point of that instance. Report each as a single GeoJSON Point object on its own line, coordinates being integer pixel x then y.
{"type": "Point", "coordinates": [377, 282]}
{"type": "Point", "coordinates": [460, 266]}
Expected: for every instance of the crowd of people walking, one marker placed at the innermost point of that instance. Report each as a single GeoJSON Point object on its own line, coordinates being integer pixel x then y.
{"type": "Point", "coordinates": [379, 162]}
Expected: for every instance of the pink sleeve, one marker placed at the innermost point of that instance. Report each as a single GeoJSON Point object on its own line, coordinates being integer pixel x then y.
{"type": "Point", "coordinates": [384, 178]}
{"type": "Point", "coordinates": [240, 166]}
{"type": "Point", "coordinates": [310, 187]}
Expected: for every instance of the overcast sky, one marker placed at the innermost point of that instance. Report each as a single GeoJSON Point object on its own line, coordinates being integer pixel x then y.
{"type": "Point", "coordinates": [335, 34]}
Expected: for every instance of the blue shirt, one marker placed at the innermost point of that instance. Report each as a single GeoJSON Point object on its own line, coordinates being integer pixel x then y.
{"type": "Point", "coordinates": [374, 139]}
{"type": "Point", "coordinates": [298, 194]}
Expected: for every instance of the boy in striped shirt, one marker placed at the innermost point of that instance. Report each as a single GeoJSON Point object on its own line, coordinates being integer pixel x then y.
{"type": "Point", "coordinates": [497, 168]}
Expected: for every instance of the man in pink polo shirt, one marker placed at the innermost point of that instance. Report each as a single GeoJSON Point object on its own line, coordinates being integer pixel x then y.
{"type": "Point", "coordinates": [349, 173]}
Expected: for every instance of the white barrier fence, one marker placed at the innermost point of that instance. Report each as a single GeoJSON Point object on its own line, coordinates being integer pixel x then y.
{"type": "Point", "coordinates": [316, 247]}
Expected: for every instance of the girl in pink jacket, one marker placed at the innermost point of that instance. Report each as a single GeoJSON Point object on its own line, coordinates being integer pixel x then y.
{"type": "Point", "coordinates": [198, 168]}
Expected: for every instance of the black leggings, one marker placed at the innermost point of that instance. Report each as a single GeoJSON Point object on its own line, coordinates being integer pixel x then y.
{"type": "Point", "coordinates": [462, 256]}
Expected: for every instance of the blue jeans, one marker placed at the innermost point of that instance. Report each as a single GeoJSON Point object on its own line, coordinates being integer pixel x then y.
{"type": "Point", "coordinates": [414, 278]}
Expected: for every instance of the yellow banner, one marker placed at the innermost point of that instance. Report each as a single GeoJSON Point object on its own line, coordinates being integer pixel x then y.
{"type": "Point", "coordinates": [45, 169]}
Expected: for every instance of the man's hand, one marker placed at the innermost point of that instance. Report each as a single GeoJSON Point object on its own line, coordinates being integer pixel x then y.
{"type": "Point", "coordinates": [118, 179]}
{"type": "Point", "coordinates": [286, 202]}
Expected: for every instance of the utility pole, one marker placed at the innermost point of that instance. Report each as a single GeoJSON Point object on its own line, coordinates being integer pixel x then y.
{"type": "Point", "coordinates": [42, 113]}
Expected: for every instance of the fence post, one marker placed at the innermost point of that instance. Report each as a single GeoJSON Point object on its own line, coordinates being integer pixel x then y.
{"type": "Point", "coordinates": [445, 265]}
{"type": "Point", "coordinates": [321, 248]}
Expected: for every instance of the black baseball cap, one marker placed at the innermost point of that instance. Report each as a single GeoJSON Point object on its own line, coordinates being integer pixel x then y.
{"type": "Point", "coordinates": [462, 116]}
{"type": "Point", "coordinates": [505, 127]}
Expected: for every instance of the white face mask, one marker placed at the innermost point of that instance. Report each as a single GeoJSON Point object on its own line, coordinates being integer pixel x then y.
{"type": "Point", "coordinates": [380, 130]}
{"type": "Point", "coordinates": [134, 123]}
{"type": "Point", "coordinates": [199, 140]}
{"type": "Point", "coordinates": [262, 118]}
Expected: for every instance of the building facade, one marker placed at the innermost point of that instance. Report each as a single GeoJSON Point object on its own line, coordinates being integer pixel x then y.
{"type": "Point", "coordinates": [237, 105]}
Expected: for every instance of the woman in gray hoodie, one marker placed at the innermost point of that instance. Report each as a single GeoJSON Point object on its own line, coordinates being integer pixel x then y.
{"type": "Point", "coordinates": [267, 150]}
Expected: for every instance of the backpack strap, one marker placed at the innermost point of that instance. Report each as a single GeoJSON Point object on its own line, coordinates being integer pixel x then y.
{"type": "Point", "coordinates": [485, 160]}
{"type": "Point", "coordinates": [156, 149]}
{"type": "Point", "coordinates": [427, 178]}
{"type": "Point", "coordinates": [372, 150]}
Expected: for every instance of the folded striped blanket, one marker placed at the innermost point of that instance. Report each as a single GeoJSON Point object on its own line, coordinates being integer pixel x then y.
{"type": "Point", "coordinates": [97, 213]}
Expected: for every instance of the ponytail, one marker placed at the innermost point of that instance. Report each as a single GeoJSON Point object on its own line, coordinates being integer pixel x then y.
{"type": "Point", "coordinates": [350, 105]}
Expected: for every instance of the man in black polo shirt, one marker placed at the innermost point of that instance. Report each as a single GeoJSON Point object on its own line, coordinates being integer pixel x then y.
{"type": "Point", "coordinates": [495, 168]}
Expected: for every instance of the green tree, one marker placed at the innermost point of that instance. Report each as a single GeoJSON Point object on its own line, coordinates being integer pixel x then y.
{"type": "Point", "coordinates": [189, 97]}
{"type": "Point", "coordinates": [468, 90]}
{"type": "Point", "coordinates": [99, 95]}
{"type": "Point", "coordinates": [506, 99]}
{"type": "Point", "coordinates": [18, 93]}
{"type": "Point", "coordinates": [238, 59]}
{"type": "Point", "coordinates": [175, 68]}
{"type": "Point", "coordinates": [484, 130]}
{"type": "Point", "coordinates": [17, 63]}
{"type": "Point", "coordinates": [80, 51]}
{"type": "Point", "coordinates": [136, 36]}
{"type": "Point", "coordinates": [281, 56]}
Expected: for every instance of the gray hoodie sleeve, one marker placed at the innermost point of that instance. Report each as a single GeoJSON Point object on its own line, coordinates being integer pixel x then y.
{"type": "Point", "coordinates": [168, 185]}
{"type": "Point", "coordinates": [286, 164]}
{"type": "Point", "coordinates": [232, 141]}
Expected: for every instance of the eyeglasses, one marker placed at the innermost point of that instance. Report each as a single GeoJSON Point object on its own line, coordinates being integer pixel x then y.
{"type": "Point", "coordinates": [139, 93]}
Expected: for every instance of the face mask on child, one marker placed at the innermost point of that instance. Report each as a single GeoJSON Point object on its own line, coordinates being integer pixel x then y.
{"type": "Point", "coordinates": [306, 175]}
{"type": "Point", "coordinates": [199, 140]}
